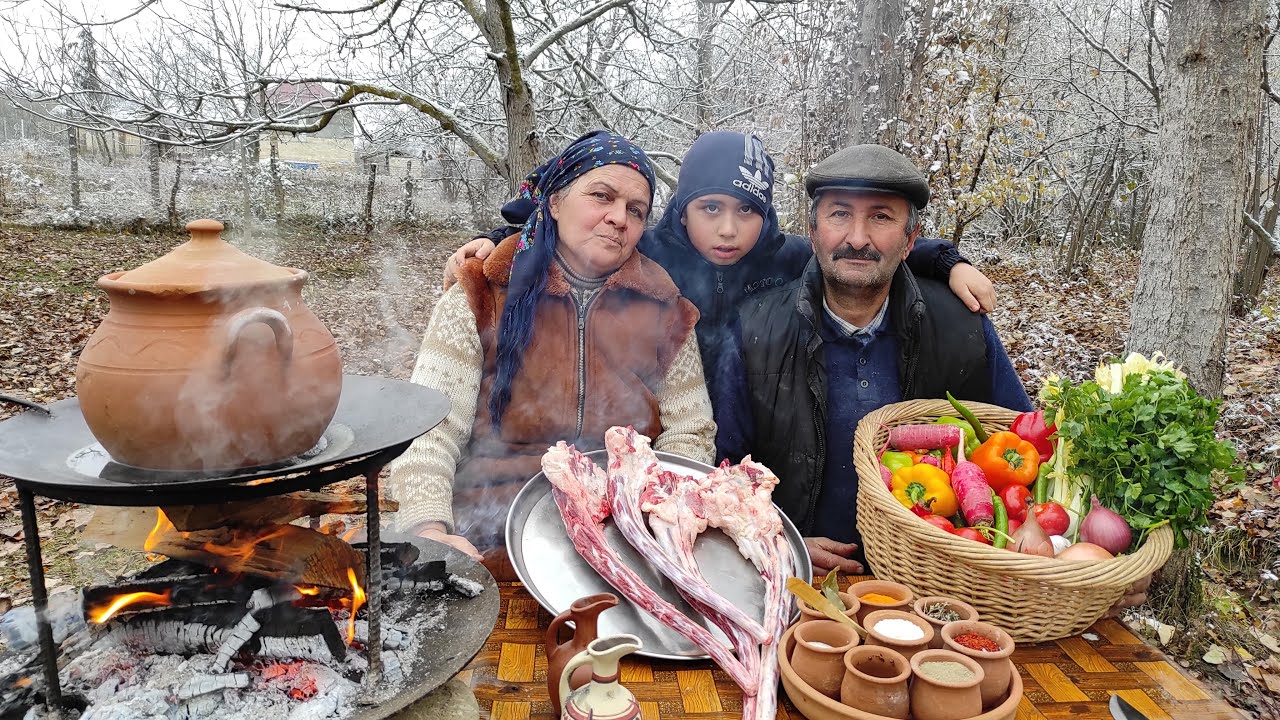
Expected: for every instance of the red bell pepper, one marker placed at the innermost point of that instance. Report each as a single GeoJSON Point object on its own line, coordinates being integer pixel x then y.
{"type": "Point", "coordinates": [1030, 427]}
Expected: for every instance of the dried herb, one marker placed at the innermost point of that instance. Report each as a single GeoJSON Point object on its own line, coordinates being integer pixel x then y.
{"type": "Point", "coordinates": [941, 612]}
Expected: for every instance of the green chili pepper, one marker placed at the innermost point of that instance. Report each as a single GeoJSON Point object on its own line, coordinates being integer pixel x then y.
{"type": "Point", "coordinates": [970, 440]}
{"type": "Point", "coordinates": [967, 414]}
{"type": "Point", "coordinates": [1001, 522]}
{"type": "Point", "coordinates": [1040, 491]}
{"type": "Point", "coordinates": [895, 461]}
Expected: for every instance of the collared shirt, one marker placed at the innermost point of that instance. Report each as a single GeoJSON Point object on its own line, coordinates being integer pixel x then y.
{"type": "Point", "coordinates": [848, 329]}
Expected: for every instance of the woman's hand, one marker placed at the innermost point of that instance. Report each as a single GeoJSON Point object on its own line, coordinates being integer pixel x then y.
{"type": "Point", "coordinates": [826, 554]}
{"type": "Point", "coordinates": [436, 531]}
{"type": "Point", "coordinates": [480, 248]}
{"type": "Point", "coordinates": [972, 287]}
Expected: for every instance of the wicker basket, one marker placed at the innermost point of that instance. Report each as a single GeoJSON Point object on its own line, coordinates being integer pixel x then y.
{"type": "Point", "coordinates": [1033, 598]}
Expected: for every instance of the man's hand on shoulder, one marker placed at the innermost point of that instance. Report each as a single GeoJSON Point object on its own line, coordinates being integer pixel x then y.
{"type": "Point", "coordinates": [972, 287]}
{"type": "Point", "coordinates": [479, 247]}
{"type": "Point", "coordinates": [437, 531]}
{"type": "Point", "coordinates": [826, 554]}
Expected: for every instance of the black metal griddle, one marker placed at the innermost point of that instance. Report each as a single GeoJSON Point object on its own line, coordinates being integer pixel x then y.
{"type": "Point", "coordinates": [51, 452]}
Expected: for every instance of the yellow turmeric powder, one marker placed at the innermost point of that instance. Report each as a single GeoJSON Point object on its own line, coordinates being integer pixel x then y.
{"type": "Point", "coordinates": [879, 598]}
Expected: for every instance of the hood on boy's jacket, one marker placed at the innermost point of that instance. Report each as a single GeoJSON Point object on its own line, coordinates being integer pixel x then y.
{"type": "Point", "coordinates": [721, 163]}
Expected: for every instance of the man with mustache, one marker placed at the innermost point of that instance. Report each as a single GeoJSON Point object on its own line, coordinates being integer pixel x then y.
{"type": "Point", "coordinates": [856, 332]}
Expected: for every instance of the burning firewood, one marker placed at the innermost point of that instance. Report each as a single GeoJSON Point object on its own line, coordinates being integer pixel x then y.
{"type": "Point", "coordinates": [270, 511]}
{"type": "Point", "coordinates": [280, 552]}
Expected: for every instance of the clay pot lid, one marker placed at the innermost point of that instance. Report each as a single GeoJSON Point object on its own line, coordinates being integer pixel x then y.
{"type": "Point", "coordinates": [205, 261]}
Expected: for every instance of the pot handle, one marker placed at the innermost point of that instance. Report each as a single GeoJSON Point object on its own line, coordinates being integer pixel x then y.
{"type": "Point", "coordinates": [273, 319]}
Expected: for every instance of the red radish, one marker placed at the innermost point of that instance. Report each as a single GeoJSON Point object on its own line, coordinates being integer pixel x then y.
{"type": "Point", "coordinates": [973, 492]}
{"type": "Point", "coordinates": [931, 460]}
{"type": "Point", "coordinates": [887, 475]}
{"type": "Point", "coordinates": [925, 437]}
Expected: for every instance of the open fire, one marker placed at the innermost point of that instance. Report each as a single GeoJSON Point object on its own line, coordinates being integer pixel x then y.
{"type": "Point", "coordinates": [252, 621]}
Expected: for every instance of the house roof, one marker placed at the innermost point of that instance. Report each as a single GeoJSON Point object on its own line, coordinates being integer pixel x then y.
{"type": "Point", "coordinates": [287, 95]}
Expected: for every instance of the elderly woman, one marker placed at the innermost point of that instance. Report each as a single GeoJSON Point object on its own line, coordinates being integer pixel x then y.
{"type": "Point", "coordinates": [563, 331]}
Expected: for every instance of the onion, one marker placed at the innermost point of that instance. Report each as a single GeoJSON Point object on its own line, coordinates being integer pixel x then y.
{"type": "Point", "coordinates": [1031, 539]}
{"type": "Point", "coordinates": [1084, 551]}
{"type": "Point", "coordinates": [1106, 529]}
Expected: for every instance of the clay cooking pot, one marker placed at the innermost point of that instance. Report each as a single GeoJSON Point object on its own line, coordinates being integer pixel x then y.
{"type": "Point", "coordinates": [208, 360]}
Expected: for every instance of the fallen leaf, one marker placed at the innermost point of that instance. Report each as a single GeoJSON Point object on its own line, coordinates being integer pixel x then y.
{"type": "Point", "coordinates": [1268, 640]}
{"type": "Point", "coordinates": [1245, 655]}
{"type": "Point", "coordinates": [1215, 656]}
{"type": "Point", "coordinates": [1232, 672]}
{"type": "Point", "coordinates": [12, 532]}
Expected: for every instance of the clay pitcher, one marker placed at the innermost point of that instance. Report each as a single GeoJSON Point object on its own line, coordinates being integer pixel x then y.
{"type": "Point", "coordinates": [208, 360]}
{"type": "Point", "coordinates": [603, 698]}
{"type": "Point", "coordinates": [585, 615]}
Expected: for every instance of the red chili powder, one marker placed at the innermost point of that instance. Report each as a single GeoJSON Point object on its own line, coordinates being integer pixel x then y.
{"type": "Point", "coordinates": [974, 641]}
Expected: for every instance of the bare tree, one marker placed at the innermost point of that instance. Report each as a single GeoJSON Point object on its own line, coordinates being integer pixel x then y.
{"type": "Point", "coordinates": [1209, 123]}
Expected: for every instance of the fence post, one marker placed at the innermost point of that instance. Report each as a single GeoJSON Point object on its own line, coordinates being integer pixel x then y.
{"type": "Point", "coordinates": [368, 198]}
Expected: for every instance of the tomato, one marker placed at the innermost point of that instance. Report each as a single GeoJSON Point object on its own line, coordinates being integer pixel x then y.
{"type": "Point", "coordinates": [1014, 525]}
{"type": "Point", "coordinates": [939, 522]}
{"type": "Point", "coordinates": [1016, 499]}
{"type": "Point", "coordinates": [1053, 518]}
{"type": "Point", "coordinates": [969, 533]}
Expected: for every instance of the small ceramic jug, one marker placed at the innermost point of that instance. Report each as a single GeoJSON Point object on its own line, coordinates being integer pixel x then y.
{"type": "Point", "coordinates": [818, 657]}
{"type": "Point", "coordinates": [963, 609]}
{"type": "Point", "coordinates": [901, 594]}
{"type": "Point", "coordinates": [875, 681]}
{"type": "Point", "coordinates": [584, 613]}
{"type": "Point", "coordinates": [995, 664]}
{"type": "Point", "coordinates": [603, 698]}
{"type": "Point", "coordinates": [934, 698]}
{"type": "Point", "coordinates": [906, 647]}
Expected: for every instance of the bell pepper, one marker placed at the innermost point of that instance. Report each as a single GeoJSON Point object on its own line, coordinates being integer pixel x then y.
{"type": "Point", "coordinates": [895, 461]}
{"type": "Point", "coordinates": [926, 486]}
{"type": "Point", "coordinates": [970, 440]}
{"type": "Point", "coordinates": [1007, 459]}
{"type": "Point", "coordinates": [1030, 427]}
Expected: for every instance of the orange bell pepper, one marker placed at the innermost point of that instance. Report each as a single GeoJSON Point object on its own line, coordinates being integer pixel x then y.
{"type": "Point", "coordinates": [1007, 459]}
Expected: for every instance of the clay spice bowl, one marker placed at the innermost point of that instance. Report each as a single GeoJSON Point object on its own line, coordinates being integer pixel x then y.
{"type": "Point", "coordinates": [904, 632]}
{"type": "Point", "coordinates": [867, 590]}
{"type": "Point", "coordinates": [819, 654]}
{"type": "Point", "coordinates": [936, 603]}
{"type": "Point", "coordinates": [946, 686]}
{"type": "Point", "coordinates": [808, 614]}
{"type": "Point", "coordinates": [995, 663]}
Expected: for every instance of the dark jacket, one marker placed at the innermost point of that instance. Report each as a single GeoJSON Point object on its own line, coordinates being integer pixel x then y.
{"type": "Point", "coordinates": [780, 405]}
{"type": "Point", "coordinates": [719, 291]}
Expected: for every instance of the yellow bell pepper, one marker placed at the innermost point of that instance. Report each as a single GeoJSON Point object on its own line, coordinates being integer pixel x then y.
{"type": "Point", "coordinates": [926, 486]}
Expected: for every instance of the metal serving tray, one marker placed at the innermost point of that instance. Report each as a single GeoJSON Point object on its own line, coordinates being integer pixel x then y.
{"type": "Point", "coordinates": [554, 573]}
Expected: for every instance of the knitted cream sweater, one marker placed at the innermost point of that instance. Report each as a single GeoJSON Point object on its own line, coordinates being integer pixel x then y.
{"type": "Point", "coordinates": [451, 360]}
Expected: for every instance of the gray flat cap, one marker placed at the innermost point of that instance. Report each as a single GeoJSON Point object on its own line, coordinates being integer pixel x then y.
{"type": "Point", "coordinates": [870, 167]}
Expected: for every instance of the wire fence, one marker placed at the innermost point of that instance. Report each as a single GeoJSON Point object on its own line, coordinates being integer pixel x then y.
{"type": "Point", "coordinates": [38, 187]}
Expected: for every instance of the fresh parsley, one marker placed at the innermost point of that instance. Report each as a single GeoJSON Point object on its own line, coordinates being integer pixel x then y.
{"type": "Point", "coordinates": [1148, 452]}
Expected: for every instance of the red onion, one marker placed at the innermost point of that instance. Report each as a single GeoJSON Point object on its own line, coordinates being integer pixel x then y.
{"type": "Point", "coordinates": [1106, 529]}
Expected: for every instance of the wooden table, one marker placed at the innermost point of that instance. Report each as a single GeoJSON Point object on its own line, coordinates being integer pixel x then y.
{"type": "Point", "coordinates": [1073, 678]}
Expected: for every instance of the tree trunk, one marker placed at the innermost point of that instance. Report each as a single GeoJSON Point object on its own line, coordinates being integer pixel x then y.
{"type": "Point", "coordinates": [73, 152]}
{"type": "Point", "coordinates": [876, 72]}
{"type": "Point", "coordinates": [702, 78]}
{"type": "Point", "coordinates": [523, 152]}
{"type": "Point", "coordinates": [173, 192]}
{"type": "Point", "coordinates": [407, 213]}
{"type": "Point", "coordinates": [1209, 124]}
{"type": "Point", "coordinates": [277, 182]}
{"type": "Point", "coordinates": [246, 187]}
{"type": "Point", "coordinates": [368, 198]}
{"type": "Point", "coordinates": [153, 169]}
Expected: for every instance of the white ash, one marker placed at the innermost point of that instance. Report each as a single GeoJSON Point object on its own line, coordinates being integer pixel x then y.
{"type": "Point", "coordinates": [123, 679]}
{"type": "Point", "coordinates": [464, 586]}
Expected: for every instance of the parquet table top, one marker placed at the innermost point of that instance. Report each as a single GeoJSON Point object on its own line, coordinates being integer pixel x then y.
{"type": "Point", "coordinates": [1074, 677]}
